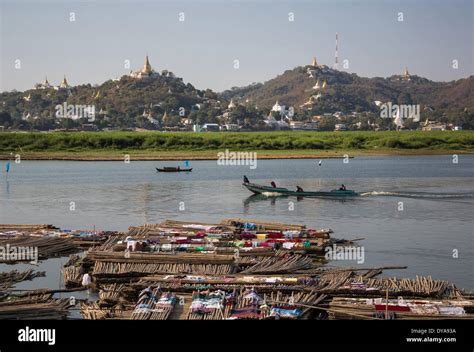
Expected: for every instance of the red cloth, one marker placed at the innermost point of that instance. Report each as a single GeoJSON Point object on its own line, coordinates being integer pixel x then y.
{"type": "Point", "coordinates": [274, 235]}
{"type": "Point", "coordinates": [392, 308]}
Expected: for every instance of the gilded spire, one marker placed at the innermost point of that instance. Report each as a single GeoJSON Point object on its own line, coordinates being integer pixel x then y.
{"type": "Point", "coordinates": [64, 83]}
{"type": "Point", "coordinates": [146, 66]}
{"type": "Point", "coordinates": [406, 74]}
{"type": "Point", "coordinates": [314, 63]}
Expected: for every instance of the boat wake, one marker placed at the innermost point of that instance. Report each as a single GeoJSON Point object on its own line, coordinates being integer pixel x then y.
{"type": "Point", "coordinates": [418, 195]}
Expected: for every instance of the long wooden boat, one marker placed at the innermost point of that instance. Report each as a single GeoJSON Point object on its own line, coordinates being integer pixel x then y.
{"type": "Point", "coordinates": [173, 169]}
{"type": "Point", "coordinates": [278, 191]}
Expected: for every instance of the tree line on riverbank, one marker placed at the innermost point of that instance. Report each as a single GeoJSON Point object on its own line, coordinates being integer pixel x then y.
{"type": "Point", "coordinates": [189, 141]}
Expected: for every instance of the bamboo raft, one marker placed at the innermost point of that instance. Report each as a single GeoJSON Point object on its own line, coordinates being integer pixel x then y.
{"type": "Point", "coordinates": [150, 307]}
{"type": "Point", "coordinates": [33, 306]}
{"type": "Point", "coordinates": [111, 270]}
{"type": "Point", "coordinates": [264, 225]}
{"type": "Point", "coordinates": [47, 246]}
{"type": "Point", "coordinates": [8, 279]}
{"type": "Point", "coordinates": [26, 228]}
{"type": "Point", "coordinates": [352, 308]}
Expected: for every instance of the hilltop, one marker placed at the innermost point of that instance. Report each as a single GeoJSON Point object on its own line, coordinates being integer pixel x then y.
{"type": "Point", "coordinates": [150, 100]}
{"type": "Point", "coordinates": [348, 92]}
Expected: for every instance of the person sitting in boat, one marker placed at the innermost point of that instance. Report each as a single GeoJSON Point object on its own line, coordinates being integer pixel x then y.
{"type": "Point", "coordinates": [299, 189]}
{"type": "Point", "coordinates": [343, 188]}
{"type": "Point", "coordinates": [246, 180]}
{"type": "Point", "coordinates": [273, 184]}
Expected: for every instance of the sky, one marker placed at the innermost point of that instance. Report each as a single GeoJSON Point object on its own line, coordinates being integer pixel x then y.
{"type": "Point", "coordinates": [40, 37]}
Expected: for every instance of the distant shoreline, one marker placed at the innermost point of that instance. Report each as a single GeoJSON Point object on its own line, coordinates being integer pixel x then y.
{"type": "Point", "coordinates": [137, 155]}
{"type": "Point", "coordinates": [102, 146]}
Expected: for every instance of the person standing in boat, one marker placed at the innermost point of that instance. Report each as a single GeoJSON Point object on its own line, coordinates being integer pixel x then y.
{"type": "Point", "coordinates": [246, 180]}
{"type": "Point", "coordinates": [273, 184]}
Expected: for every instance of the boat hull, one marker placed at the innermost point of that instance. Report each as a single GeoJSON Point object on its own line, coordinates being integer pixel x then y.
{"type": "Point", "coordinates": [174, 170]}
{"type": "Point", "coordinates": [278, 191]}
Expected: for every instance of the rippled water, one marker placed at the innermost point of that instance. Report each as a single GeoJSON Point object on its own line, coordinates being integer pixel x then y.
{"type": "Point", "coordinates": [437, 196]}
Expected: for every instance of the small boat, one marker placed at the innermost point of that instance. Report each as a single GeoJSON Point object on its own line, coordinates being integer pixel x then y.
{"type": "Point", "coordinates": [278, 191]}
{"type": "Point", "coordinates": [173, 169]}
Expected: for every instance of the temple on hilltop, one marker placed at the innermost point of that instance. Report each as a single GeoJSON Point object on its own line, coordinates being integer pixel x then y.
{"type": "Point", "coordinates": [64, 84]}
{"type": "Point", "coordinates": [43, 85]}
{"type": "Point", "coordinates": [146, 72]}
{"type": "Point", "coordinates": [406, 75]}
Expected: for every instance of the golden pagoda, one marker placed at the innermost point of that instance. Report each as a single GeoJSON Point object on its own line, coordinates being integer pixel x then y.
{"type": "Point", "coordinates": [406, 74]}
{"type": "Point", "coordinates": [314, 63]}
{"type": "Point", "coordinates": [146, 72]}
{"type": "Point", "coordinates": [147, 66]}
{"type": "Point", "coordinates": [44, 85]}
{"type": "Point", "coordinates": [64, 83]}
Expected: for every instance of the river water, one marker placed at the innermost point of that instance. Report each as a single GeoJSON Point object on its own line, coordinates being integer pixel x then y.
{"type": "Point", "coordinates": [415, 211]}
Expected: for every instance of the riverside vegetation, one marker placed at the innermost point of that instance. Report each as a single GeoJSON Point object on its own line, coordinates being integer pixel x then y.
{"type": "Point", "coordinates": [289, 143]}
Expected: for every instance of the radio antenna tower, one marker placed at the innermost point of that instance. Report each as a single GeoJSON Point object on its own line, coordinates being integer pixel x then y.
{"type": "Point", "coordinates": [336, 57]}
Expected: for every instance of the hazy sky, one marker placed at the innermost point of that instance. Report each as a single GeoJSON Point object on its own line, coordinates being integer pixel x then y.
{"type": "Point", "coordinates": [202, 49]}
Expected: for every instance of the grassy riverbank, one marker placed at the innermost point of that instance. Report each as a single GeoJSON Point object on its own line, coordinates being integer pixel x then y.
{"type": "Point", "coordinates": [188, 145]}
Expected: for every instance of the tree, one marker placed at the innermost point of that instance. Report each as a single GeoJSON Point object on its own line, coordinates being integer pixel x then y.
{"type": "Point", "coordinates": [5, 119]}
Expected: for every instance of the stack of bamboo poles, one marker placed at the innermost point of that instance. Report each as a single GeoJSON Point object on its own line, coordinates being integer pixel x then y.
{"type": "Point", "coordinates": [35, 307]}
{"type": "Point", "coordinates": [306, 300]}
{"type": "Point", "coordinates": [111, 269]}
{"type": "Point", "coordinates": [47, 246]}
{"type": "Point", "coordinates": [154, 229]}
{"type": "Point", "coordinates": [26, 228]}
{"type": "Point", "coordinates": [8, 279]}
{"type": "Point", "coordinates": [159, 257]}
{"type": "Point", "coordinates": [72, 276]}
{"type": "Point", "coordinates": [349, 308]}
{"type": "Point", "coordinates": [93, 311]}
{"type": "Point", "coordinates": [333, 280]}
{"type": "Point", "coordinates": [280, 264]}
{"type": "Point", "coordinates": [421, 285]}
{"type": "Point", "coordinates": [111, 293]}
{"type": "Point", "coordinates": [264, 225]}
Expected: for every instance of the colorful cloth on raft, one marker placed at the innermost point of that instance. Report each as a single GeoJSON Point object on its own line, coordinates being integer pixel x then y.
{"type": "Point", "coordinates": [245, 313]}
{"type": "Point", "coordinates": [248, 226]}
{"type": "Point", "coordinates": [285, 313]}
